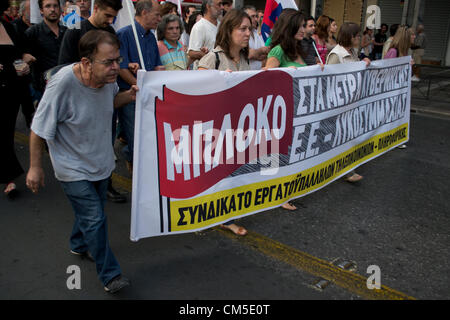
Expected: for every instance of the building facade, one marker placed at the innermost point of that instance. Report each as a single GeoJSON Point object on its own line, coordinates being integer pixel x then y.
{"type": "Point", "coordinates": [433, 14]}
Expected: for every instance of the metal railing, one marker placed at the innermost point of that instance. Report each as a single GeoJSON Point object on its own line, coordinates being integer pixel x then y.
{"type": "Point", "coordinates": [434, 80]}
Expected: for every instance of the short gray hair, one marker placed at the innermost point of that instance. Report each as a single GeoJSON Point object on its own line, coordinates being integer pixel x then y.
{"type": "Point", "coordinates": [22, 7]}
{"type": "Point", "coordinates": [168, 18]}
{"type": "Point", "coordinates": [204, 3]}
{"type": "Point", "coordinates": [142, 5]}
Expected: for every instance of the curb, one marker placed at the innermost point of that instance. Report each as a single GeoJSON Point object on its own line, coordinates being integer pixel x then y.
{"type": "Point", "coordinates": [416, 109]}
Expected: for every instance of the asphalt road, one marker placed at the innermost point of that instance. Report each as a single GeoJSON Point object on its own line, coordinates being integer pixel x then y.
{"type": "Point", "coordinates": [397, 218]}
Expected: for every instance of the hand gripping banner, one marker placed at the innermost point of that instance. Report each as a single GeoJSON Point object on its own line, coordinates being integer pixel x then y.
{"type": "Point", "coordinates": [212, 146]}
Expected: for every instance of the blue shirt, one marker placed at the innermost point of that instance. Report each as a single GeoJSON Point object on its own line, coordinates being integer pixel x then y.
{"type": "Point", "coordinates": [129, 52]}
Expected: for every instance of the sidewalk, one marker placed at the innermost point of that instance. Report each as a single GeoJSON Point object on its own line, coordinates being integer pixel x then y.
{"type": "Point", "coordinates": [436, 100]}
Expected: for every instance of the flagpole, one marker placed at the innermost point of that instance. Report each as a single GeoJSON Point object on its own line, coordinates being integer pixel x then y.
{"type": "Point", "coordinates": [136, 38]}
{"type": "Point", "coordinates": [317, 52]}
{"type": "Point", "coordinates": [180, 12]}
{"type": "Point", "coordinates": [35, 15]}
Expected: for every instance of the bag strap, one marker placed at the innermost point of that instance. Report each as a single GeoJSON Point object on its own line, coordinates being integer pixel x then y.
{"type": "Point", "coordinates": [217, 60]}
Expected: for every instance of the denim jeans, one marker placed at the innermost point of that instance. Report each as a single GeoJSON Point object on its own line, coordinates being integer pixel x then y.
{"type": "Point", "coordinates": [89, 231]}
{"type": "Point", "coordinates": [36, 95]}
{"type": "Point", "coordinates": [126, 120]}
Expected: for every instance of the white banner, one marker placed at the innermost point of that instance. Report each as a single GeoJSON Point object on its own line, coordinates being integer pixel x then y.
{"type": "Point", "coordinates": [124, 17]}
{"type": "Point", "coordinates": [212, 146]}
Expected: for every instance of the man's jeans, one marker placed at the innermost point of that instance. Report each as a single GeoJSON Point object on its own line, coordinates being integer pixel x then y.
{"type": "Point", "coordinates": [126, 120]}
{"type": "Point", "coordinates": [90, 229]}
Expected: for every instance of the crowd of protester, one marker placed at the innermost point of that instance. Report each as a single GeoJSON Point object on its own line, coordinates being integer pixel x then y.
{"type": "Point", "coordinates": [216, 37]}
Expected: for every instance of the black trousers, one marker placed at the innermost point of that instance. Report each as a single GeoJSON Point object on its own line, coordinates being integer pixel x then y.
{"type": "Point", "coordinates": [10, 167]}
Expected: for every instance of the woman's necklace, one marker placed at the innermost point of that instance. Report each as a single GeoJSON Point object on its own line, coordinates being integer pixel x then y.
{"type": "Point", "coordinates": [237, 63]}
{"type": "Point", "coordinates": [237, 60]}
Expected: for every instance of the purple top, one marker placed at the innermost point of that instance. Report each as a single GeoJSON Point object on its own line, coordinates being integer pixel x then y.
{"type": "Point", "coordinates": [392, 53]}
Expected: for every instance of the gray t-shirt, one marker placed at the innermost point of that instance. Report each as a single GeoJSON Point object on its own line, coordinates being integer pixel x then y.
{"type": "Point", "coordinates": [76, 121]}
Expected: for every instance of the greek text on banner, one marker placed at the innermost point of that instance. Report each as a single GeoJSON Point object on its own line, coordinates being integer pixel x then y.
{"type": "Point", "coordinates": [213, 146]}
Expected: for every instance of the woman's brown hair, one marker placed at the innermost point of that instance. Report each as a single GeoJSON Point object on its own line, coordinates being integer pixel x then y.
{"type": "Point", "coordinates": [347, 31]}
{"type": "Point", "coordinates": [231, 21]}
{"type": "Point", "coordinates": [166, 8]}
{"type": "Point", "coordinates": [322, 25]}
{"type": "Point", "coordinates": [284, 33]}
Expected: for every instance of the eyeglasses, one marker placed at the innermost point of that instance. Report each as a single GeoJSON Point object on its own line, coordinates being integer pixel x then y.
{"type": "Point", "coordinates": [109, 62]}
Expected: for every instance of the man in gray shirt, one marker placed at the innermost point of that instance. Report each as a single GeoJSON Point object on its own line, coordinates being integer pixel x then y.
{"type": "Point", "coordinates": [74, 117]}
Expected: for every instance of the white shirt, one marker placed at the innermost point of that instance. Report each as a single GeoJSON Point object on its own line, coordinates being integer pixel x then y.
{"type": "Point", "coordinates": [255, 42]}
{"type": "Point", "coordinates": [184, 39]}
{"type": "Point", "coordinates": [203, 34]}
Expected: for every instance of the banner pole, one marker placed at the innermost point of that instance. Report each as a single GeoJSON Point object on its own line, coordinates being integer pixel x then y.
{"type": "Point", "coordinates": [317, 52]}
{"type": "Point", "coordinates": [180, 12]}
{"type": "Point", "coordinates": [136, 38]}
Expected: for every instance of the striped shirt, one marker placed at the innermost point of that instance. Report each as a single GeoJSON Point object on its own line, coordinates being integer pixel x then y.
{"type": "Point", "coordinates": [172, 58]}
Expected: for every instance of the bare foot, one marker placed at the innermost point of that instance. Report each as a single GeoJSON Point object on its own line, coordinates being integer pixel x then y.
{"type": "Point", "coordinates": [10, 187]}
{"type": "Point", "coordinates": [11, 190]}
{"type": "Point", "coordinates": [289, 206]}
{"type": "Point", "coordinates": [354, 178]}
{"type": "Point", "coordinates": [237, 230]}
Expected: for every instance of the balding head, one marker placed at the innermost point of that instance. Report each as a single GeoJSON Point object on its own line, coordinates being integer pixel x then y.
{"type": "Point", "coordinates": [148, 14]}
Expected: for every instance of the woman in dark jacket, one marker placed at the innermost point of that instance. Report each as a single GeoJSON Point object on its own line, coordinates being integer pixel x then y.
{"type": "Point", "coordinates": [10, 50]}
